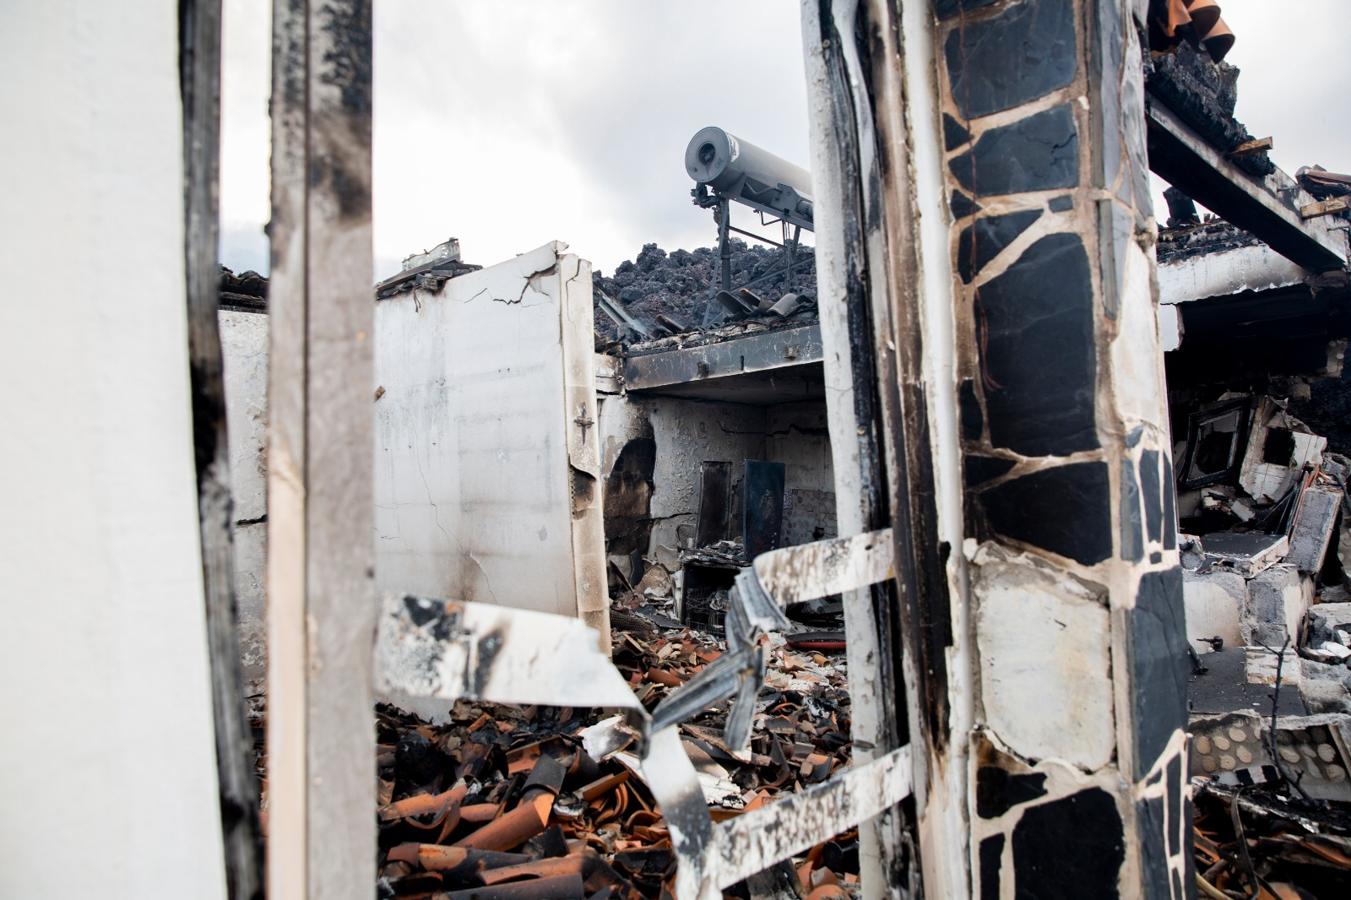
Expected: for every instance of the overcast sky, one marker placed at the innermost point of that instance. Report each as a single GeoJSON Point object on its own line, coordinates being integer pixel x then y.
{"type": "Point", "coordinates": [508, 123]}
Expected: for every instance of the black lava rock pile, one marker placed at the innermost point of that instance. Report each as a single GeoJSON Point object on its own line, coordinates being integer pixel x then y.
{"type": "Point", "coordinates": [681, 284]}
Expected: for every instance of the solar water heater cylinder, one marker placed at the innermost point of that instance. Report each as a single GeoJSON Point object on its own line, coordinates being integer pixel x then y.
{"type": "Point", "coordinates": [722, 160]}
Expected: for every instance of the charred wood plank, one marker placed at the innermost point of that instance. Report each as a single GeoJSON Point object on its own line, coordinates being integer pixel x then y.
{"type": "Point", "coordinates": [199, 81]}
{"type": "Point", "coordinates": [1269, 208]}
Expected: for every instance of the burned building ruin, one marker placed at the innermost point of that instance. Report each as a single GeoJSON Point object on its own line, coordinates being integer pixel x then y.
{"type": "Point", "coordinates": [993, 541]}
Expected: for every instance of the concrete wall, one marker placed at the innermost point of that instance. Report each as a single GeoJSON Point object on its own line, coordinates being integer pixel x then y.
{"type": "Point", "coordinates": [108, 766]}
{"type": "Point", "coordinates": [1215, 603]}
{"type": "Point", "coordinates": [486, 448]}
{"type": "Point", "coordinates": [796, 436]}
{"type": "Point", "coordinates": [686, 433]}
{"type": "Point", "coordinates": [689, 432]}
{"type": "Point", "coordinates": [1254, 268]}
{"type": "Point", "coordinates": [243, 338]}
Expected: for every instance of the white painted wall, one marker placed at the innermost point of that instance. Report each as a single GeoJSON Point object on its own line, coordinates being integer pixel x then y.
{"type": "Point", "coordinates": [243, 338]}
{"type": "Point", "coordinates": [1215, 603]}
{"type": "Point", "coordinates": [104, 686]}
{"type": "Point", "coordinates": [473, 474]}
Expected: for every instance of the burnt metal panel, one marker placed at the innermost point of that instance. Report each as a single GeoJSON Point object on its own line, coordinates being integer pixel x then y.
{"type": "Point", "coordinates": [715, 503]}
{"type": "Point", "coordinates": [762, 511]}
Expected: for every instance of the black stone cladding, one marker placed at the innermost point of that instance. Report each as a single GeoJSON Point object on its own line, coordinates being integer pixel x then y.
{"type": "Point", "coordinates": [991, 852]}
{"type": "Point", "coordinates": [1038, 350]}
{"type": "Point", "coordinates": [1037, 153]}
{"type": "Point", "coordinates": [998, 790]}
{"type": "Point", "coordinates": [1065, 510]}
{"type": "Point", "coordinates": [962, 205]}
{"type": "Point", "coordinates": [977, 470]}
{"type": "Point", "coordinates": [1152, 487]}
{"type": "Point", "coordinates": [1132, 526]}
{"type": "Point", "coordinates": [1161, 668]}
{"type": "Point", "coordinates": [1069, 848]}
{"type": "Point", "coordinates": [1036, 36]}
{"type": "Point", "coordinates": [982, 240]}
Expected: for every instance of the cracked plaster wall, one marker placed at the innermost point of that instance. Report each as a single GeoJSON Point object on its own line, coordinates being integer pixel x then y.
{"type": "Point", "coordinates": [483, 482]}
{"type": "Point", "coordinates": [243, 337]}
{"type": "Point", "coordinates": [1071, 532]}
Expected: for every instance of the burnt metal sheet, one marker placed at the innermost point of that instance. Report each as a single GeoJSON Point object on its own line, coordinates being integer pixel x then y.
{"type": "Point", "coordinates": [754, 841]}
{"type": "Point", "coordinates": [822, 568]}
{"type": "Point", "coordinates": [760, 352]}
{"type": "Point", "coordinates": [715, 503]}
{"type": "Point", "coordinates": [446, 649]}
{"type": "Point", "coordinates": [762, 511]}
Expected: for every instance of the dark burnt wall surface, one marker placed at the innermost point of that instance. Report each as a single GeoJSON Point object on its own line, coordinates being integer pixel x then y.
{"type": "Point", "coordinates": [1075, 586]}
{"type": "Point", "coordinates": [652, 451]}
{"type": "Point", "coordinates": [1327, 410]}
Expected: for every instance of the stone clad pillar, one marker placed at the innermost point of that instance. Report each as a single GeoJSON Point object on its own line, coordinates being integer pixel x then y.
{"type": "Point", "coordinates": [985, 234]}
{"type": "Point", "coordinates": [1077, 757]}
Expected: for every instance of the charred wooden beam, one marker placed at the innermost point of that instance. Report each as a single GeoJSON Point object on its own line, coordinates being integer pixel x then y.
{"type": "Point", "coordinates": [199, 78]}
{"type": "Point", "coordinates": [1269, 208]}
{"type": "Point", "coordinates": [321, 596]}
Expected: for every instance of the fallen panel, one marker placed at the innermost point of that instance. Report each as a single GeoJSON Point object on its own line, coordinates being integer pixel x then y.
{"type": "Point", "coordinates": [1311, 533]}
{"type": "Point", "coordinates": [1245, 552]}
{"type": "Point", "coordinates": [756, 840]}
{"type": "Point", "coordinates": [446, 650]}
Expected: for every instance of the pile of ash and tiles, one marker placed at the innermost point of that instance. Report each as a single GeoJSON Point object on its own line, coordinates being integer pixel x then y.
{"type": "Point", "coordinates": [504, 802]}
{"type": "Point", "coordinates": [662, 301]}
{"type": "Point", "coordinates": [1269, 842]}
{"type": "Point", "coordinates": [1262, 505]}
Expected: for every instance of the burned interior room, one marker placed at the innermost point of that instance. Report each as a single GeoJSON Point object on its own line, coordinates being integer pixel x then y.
{"type": "Point", "coordinates": [776, 450]}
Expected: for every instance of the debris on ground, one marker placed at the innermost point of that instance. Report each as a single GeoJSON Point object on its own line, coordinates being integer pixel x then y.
{"type": "Point", "coordinates": [503, 801]}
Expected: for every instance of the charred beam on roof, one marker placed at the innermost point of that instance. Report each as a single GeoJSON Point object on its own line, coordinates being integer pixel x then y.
{"type": "Point", "coordinates": [1269, 207]}
{"type": "Point", "coordinates": [758, 352]}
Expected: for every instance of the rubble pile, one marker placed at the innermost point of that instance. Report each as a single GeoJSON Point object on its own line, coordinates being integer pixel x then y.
{"type": "Point", "coordinates": [504, 802]}
{"type": "Point", "coordinates": [1262, 504]}
{"type": "Point", "coordinates": [1269, 843]}
{"type": "Point", "coordinates": [681, 285]}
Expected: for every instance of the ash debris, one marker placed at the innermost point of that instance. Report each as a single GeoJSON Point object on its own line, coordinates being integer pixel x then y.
{"type": "Point", "coordinates": [1204, 93]}
{"type": "Point", "coordinates": [681, 285]}
{"type": "Point", "coordinates": [1214, 235]}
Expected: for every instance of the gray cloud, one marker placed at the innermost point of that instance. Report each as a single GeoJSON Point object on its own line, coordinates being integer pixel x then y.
{"type": "Point", "coordinates": [511, 123]}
